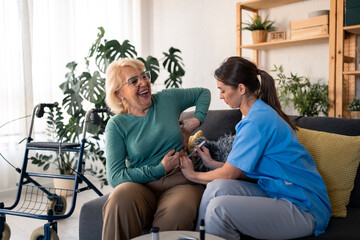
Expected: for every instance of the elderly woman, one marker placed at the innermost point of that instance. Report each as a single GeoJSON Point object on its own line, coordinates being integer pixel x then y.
{"type": "Point", "coordinates": [144, 142]}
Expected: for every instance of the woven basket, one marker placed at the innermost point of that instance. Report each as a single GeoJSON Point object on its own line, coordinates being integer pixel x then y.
{"type": "Point", "coordinates": [355, 114]}
{"type": "Point", "coordinates": [259, 36]}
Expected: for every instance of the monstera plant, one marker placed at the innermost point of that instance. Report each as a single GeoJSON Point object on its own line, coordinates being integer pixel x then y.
{"type": "Point", "coordinates": [65, 122]}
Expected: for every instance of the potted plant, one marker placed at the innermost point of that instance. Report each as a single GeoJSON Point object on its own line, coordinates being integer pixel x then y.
{"type": "Point", "coordinates": [309, 99]}
{"type": "Point", "coordinates": [85, 90]}
{"type": "Point", "coordinates": [354, 108]}
{"type": "Point", "coordinates": [259, 28]}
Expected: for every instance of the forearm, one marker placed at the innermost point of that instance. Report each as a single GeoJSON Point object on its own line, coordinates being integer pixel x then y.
{"type": "Point", "coordinates": [214, 164]}
{"type": "Point", "coordinates": [143, 174]}
{"type": "Point", "coordinates": [190, 124]}
{"type": "Point", "coordinates": [202, 105]}
{"type": "Point", "coordinates": [204, 177]}
{"type": "Point", "coordinates": [227, 171]}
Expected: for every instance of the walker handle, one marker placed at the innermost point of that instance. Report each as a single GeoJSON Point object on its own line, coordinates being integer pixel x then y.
{"type": "Point", "coordinates": [41, 106]}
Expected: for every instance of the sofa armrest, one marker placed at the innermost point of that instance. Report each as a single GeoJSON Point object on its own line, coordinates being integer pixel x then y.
{"type": "Point", "coordinates": [91, 221]}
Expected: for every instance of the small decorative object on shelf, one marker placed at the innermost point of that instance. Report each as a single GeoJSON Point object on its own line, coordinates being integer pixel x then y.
{"type": "Point", "coordinates": [309, 27]}
{"type": "Point", "coordinates": [277, 35]}
{"type": "Point", "coordinates": [354, 108]}
{"type": "Point", "coordinates": [259, 28]}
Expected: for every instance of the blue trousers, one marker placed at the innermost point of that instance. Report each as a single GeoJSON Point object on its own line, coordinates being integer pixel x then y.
{"type": "Point", "coordinates": [233, 206]}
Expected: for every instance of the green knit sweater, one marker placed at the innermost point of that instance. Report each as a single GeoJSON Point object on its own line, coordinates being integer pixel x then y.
{"type": "Point", "coordinates": [135, 145]}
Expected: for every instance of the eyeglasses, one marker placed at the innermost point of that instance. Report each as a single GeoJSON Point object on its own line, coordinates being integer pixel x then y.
{"type": "Point", "coordinates": [146, 76]}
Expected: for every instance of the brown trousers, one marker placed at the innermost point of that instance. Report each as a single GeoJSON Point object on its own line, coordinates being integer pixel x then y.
{"type": "Point", "coordinates": [170, 203]}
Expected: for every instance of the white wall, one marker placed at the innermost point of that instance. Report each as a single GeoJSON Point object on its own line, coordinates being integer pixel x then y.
{"type": "Point", "coordinates": [205, 32]}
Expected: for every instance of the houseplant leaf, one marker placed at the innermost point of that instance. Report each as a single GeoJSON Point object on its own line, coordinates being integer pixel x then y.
{"type": "Point", "coordinates": [309, 99]}
{"type": "Point", "coordinates": [92, 87]}
{"type": "Point", "coordinates": [173, 62]}
{"type": "Point", "coordinates": [95, 45]}
{"type": "Point", "coordinates": [113, 50]}
{"type": "Point", "coordinates": [151, 64]}
{"type": "Point", "coordinates": [72, 102]}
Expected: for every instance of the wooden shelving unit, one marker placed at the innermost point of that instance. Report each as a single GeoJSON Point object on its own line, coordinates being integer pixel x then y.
{"type": "Point", "coordinates": [261, 4]}
{"type": "Point", "coordinates": [356, 72]}
{"type": "Point", "coordinates": [254, 6]}
{"type": "Point", "coordinates": [342, 45]}
{"type": "Point", "coordinates": [288, 43]}
{"type": "Point", "coordinates": [346, 72]}
{"type": "Point", "coordinates": [355, 29]}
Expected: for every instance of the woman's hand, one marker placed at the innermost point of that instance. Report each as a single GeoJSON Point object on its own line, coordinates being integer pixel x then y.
{"type": "Point", "coordinates": [186, 166]}
{"type": "Point", "coordinates": [187, 127]}
{"type": "Point", "coordinates": [170, 160]}
{"type": "Point", "coordinates": [204, 154]}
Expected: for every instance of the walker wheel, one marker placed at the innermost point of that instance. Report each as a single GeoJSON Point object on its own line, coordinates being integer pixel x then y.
{"type": "Point", "coordinates": [58, 208]}
{"type": "Point", "coordinates": [38, 234]}
{"type": "Point", "coordinates": [6, 233]}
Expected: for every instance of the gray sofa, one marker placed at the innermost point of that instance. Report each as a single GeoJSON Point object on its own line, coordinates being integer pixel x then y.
{"type": "Point", "coordinates": [220, 122]}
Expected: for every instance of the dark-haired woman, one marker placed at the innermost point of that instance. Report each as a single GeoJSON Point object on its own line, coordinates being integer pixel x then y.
{"type": "Point", "coordinates": [289, 199]}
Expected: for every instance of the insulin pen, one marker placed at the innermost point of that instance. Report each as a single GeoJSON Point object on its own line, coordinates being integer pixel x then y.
{"type": "Point", "coordinates": [194, 151]}
{"type": "Point", "coordinates": [202, 229]}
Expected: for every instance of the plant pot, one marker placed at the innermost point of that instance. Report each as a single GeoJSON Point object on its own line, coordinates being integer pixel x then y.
{"type": "Point", "coordinates": [259, 36]}
{"type": "Point", "coordinates": [64, 187]}
{"type": "Point", "coordinates": [355, 114]}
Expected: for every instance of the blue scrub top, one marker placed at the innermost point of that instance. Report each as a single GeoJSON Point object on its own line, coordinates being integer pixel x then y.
{"type": "Point", "coordinates": [266, 148]}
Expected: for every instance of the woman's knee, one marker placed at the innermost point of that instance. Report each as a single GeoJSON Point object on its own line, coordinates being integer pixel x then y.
{"type": "Point", "coordinates": [127, 193]}
{"type": "Point", "coordinates": [182, 198]}
{"type": "Point", "coordinates": [178, 207]}
{"type": "Point", "coordinates": [221, 187]}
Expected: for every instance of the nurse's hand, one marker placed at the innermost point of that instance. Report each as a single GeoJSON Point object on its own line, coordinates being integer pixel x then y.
{"type": "Point", "coordinates": [205, 156]}
{"type": "Point", "coordinates": [186, 166]}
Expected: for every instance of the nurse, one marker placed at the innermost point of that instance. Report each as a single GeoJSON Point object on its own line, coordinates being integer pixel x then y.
{"type": "Point", "coordinates": [287, 198]}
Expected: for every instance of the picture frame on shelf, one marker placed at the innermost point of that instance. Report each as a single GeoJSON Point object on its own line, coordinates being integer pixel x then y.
{"type": "Point", "coordinates": [277, 36]}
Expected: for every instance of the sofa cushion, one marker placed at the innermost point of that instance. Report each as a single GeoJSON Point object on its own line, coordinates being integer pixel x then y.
{"type": "Point", "coordinates": [348, 127]}
{"type": "Point", "coordinates": [90, 220]}
{"type": "Point", "coordinates": [193, 139]}
{"type": "Point", "coordinates": [337, 160]}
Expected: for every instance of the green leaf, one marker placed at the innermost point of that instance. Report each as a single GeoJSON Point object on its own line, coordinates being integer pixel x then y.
{"type": "Point", "coordinates": [92, 87]}
{"type": "Point", "coordinates": [72, 102]}
{"type": "Point", "coordinates": [113, 50]}
{"type": "Point", "coordinates": [151, 64]}
{"type": "Point", "coordinates": [71, 79]}
{"type": "Point", "coordinates": [97, 42]}
{"type": "Point", "coordinates": [173, 63]}
{"type": "Point", "coordinates": [354, 105]}
{"type": "Point", "coordinates": [309, 99]}
{"type": "Point", "coordinates": [256, 23]}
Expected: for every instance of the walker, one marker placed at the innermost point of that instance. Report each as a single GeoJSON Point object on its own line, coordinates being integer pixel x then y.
{"type": "Point", "coordinates": [47, 203]}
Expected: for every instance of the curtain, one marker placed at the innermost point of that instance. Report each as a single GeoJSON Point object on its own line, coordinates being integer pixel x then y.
{"type": "Point", "coordinates": [37, 39]}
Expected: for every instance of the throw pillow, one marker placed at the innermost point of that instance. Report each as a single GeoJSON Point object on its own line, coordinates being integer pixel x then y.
{"type": "Point", "coordinates": [219, 151]}
{"type": "Point", "coordinates": [337, 160]}
{"type": "Point", "coordinates": [193, 138]}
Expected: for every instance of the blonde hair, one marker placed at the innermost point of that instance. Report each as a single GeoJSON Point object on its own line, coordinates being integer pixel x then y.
{"type": "Point", "coordinates": [114, 80]}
